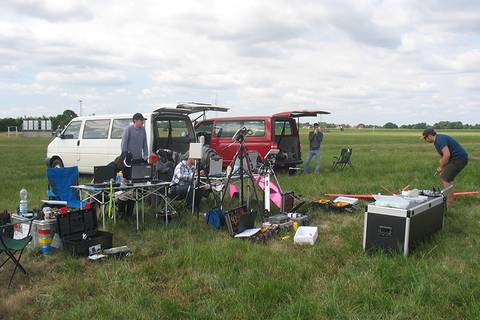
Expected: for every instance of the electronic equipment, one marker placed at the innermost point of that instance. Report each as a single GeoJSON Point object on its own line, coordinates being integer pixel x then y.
{"type": "Point", "coordinates": [195, 151]}
{"type": "Point", "coordinates": [215, 166]}
{"type": "Point", "coordinates": [141, 172]}
{"type": "Point", "coordinates": [240, 134]}
{"type": "Point", "coordinates": [278, 218]}
{"type": "Point", "coordinates": [272, 153]}
{"type": "Point", "coordinates": [239, 220]}
{"type": "Point", "coordinates": [103, 174]}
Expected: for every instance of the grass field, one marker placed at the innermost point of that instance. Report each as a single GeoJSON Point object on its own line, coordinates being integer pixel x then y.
{"type": "Point", "coordinates": [187, 271]}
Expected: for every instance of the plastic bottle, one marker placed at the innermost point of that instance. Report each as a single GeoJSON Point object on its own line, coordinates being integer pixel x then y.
{"type": "Point", "coordinates": [295, 226]}
{"type": "Point", "coordinates": [229, 170]}
{"type": "Point", "coordinates": [23, 207]}
{"type": "Point", "coordinates": [120, 177]}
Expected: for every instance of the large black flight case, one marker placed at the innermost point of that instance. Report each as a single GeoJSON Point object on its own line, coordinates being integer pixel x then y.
{"type": "Point", "coordinates": [79, 233]}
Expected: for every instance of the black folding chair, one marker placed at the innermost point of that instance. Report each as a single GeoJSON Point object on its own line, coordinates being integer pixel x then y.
{"type": "Point", "coordinates": [342, 160]}
{"type": "Point", "coordinates": [11, 246]}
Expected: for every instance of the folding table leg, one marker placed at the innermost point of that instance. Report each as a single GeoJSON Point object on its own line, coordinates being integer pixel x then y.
{"type": "Point", "coordinates": [136, 206]}
{"type": "Point", "coordinates": [166, 205]}
{"type": "Point", "coordinates": [103, 211]}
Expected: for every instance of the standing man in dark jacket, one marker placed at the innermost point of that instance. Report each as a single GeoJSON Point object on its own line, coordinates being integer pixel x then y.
{"type": "Point", "coordinates": [315, 138]}
{"type": "Point", "coordinates": [134, 138]}
{"type": "Point", "coordinates": [453, 158]}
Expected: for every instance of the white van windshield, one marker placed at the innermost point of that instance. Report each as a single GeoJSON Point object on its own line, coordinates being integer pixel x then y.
{"type": "Point", "coordinates": [73, 130]}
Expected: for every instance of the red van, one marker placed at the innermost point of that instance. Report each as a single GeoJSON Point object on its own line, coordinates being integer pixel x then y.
{"type": "Point", "coordinates": [278, 131]}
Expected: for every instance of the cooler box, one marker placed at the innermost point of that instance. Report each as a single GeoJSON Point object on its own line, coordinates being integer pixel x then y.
{"type": "Point", "coordinates": [306, 235]}
{"type": "Point", "coordinates": [401, 229]}
{"type": "Point", "coordinates": [79, 232]}
{"type": "Point", "coordinates": [42, 231]}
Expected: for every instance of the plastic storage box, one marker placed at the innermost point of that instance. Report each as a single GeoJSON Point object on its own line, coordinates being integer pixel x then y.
{"type": "Point", "coordinates": [42, 231]}
{"type": "Point", "coordinates": [306, 235]}
{"type": "Point", "coordinates": [78, 230]}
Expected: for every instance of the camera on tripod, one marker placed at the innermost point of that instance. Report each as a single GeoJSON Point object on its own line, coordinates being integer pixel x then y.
{"type": "Point", "coordinates": [241, 133]}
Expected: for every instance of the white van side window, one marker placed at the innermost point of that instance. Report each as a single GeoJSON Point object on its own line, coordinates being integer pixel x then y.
{"type": "Point", "coordinates": [73, 130]}
{"type": "Point", "coordinates": [96, 129]}
{"type": "Point", "coordinates": [118, 127]}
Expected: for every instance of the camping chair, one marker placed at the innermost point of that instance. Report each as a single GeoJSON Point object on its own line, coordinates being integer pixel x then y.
{"type": "Point", "coordinates": [60, 182]}
{"type": "Point", "coordinates": [344, 159]}
{"type": "Point", "coordinates": [11, 246]}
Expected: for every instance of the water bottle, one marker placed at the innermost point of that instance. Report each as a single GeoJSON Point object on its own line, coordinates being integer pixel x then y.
{"type": "Point", "coordinates": [120, 177]}
{"type": "Point", "coordinates": [23, 207]}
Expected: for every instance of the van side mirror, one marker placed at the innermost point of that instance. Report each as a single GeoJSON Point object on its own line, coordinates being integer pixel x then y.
{"type": "Point", "coordinates": [66, 136]}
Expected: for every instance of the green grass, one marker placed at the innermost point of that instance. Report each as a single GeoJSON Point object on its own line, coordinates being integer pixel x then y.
{"type": "Point", "coordinates": [187, 271]}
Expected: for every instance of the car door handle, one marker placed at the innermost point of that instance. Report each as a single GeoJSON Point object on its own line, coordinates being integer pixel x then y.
{"type": "Point", "coordinates": [78, 143]}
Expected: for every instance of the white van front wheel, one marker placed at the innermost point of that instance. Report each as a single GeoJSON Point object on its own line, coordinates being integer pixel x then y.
{"type": "Point", "coordinates": [57, 163]}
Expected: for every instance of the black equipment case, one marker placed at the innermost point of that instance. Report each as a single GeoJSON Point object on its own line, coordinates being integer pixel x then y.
{"type": "Point", "coordinates": [239, 220]}
{"type": "Point", "coordinates": [401, 229]}
{"type": "Point", "coordinates": [79, 232]}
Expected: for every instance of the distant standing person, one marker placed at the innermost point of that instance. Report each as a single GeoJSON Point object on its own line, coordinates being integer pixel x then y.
{"type": "Point", "coordinates": [315, 138]}
{"type": "Point", "coordinates": [453, 158]}
{"type": "Point", "coordinates": [134, 138]}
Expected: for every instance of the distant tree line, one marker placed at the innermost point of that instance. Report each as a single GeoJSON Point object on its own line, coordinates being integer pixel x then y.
{"type": "Point", "coordinates": [391, 125]}
{"type": "Point", "coordinates": [438, 125]}
{"type": "Point", "coordinates": [58, 121]}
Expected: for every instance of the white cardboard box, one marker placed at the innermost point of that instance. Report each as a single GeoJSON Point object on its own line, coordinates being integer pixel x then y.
{"type": "Point", "coordinates": [306, 235]}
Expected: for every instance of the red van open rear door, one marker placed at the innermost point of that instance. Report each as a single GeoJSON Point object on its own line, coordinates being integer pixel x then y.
{"type": "Point", "coordinates": [287, 135]}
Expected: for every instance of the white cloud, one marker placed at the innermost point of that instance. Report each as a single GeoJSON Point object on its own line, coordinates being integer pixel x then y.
{"type": "Point", "coordinates": [49, 9]}
{"type": "Point", "coordinates": [363, 60]}
{"type": "Point", "coordinates": [91, 77]}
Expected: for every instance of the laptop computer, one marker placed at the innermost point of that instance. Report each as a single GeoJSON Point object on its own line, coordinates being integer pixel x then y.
{"type": "Point", "coordinates": [103, 174]}
{"type": "Point", "coordinates": [141, 172]}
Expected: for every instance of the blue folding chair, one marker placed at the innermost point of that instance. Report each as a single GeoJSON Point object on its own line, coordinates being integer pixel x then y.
{"type": "Point", "coordinates": [60, 182]}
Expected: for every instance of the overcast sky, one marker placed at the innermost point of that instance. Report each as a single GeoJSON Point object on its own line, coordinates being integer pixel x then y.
{"type": "Point", "coordinates": [404, 61]}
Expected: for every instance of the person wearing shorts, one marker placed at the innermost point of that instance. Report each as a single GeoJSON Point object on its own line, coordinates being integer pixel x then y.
{"type": "Point", "coordinates": [453, 157]}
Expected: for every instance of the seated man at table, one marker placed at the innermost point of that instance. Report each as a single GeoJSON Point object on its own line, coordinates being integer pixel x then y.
{"type": "Point", "coordinates": [182, 184]}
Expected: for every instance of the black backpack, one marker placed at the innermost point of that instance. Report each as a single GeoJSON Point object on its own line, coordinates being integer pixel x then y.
{"type": "Point", "coordinates": [5, 218]}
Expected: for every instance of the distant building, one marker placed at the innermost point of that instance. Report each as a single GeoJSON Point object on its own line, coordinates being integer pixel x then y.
{"type": "Point", "coordinates": [360, 126]}
{"type": "Point", "coordinates": [37, 128]}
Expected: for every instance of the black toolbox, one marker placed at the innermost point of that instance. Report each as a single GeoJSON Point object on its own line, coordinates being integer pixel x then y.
{"type": "Point", "coordinates": [79, 233]}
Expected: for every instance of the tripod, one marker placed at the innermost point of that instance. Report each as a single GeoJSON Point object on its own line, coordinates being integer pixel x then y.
{"type": "Point", "coordinates": [241, 155]}
{"type": "Point", "coordinates": [266, 171]}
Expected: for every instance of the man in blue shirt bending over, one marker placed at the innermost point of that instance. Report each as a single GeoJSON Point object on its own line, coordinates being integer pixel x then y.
{"type": "Point", "coordinates": [453, 158]}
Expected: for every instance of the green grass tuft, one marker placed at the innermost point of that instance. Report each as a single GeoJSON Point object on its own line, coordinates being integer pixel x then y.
{"type": "Point", "coordinates": [186, 270]}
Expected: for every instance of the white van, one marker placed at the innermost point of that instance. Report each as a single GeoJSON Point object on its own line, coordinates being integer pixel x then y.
{"type": "Point", "coordinates": [96, 140]}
